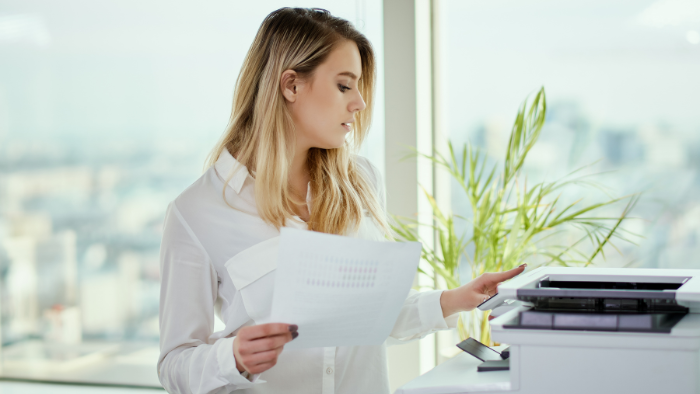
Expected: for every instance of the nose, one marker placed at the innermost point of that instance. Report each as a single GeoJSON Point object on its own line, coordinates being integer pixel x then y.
{"type": "Point", "coordinates": [358, 103]}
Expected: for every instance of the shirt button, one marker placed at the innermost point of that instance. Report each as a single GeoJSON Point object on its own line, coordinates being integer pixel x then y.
{"type": "Point", "coordinates": [329, 370]}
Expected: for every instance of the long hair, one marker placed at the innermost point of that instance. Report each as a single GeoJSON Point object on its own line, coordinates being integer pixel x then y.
{"type": "Point", "coordinates": [261, 136]}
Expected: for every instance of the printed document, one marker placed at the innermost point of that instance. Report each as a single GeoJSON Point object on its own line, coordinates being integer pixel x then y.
{"type": "Point", "coordinates": [341, 291]}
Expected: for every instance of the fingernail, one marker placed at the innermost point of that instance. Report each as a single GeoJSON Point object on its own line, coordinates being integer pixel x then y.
{"type": "Point", "coordinates": [293, 327]}
{"type": "Point", "coordinates": [294, 335]}
{"type": "Point", "coordinates": [523, 265]}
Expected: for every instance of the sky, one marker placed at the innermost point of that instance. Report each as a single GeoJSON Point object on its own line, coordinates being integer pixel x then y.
{"type": "Point", "coordinates": [148, 70]}
{"type": "Point", "coordinates": [627, 62]}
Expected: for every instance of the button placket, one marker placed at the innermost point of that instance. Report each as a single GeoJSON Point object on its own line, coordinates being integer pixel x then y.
{"type": "Point", "coordinates": [329, 370]}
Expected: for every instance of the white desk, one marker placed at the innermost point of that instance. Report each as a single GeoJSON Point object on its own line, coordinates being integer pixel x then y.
{"type": "Point", "coordinates": [457, 375]}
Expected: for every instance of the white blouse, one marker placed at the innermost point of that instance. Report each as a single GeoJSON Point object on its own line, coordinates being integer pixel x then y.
{"type": "Point", "coordinates": [203, 275]}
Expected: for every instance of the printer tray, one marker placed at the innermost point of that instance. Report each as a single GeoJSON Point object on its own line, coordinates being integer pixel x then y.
{"type": "Point", "coordinates": [627, 322]}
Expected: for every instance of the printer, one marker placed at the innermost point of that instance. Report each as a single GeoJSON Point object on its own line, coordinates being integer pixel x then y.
{"type": "Point", "coordinates": [600, 330]}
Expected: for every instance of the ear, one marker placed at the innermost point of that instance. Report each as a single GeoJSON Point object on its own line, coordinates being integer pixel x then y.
{"type": "Point", "coordinates": [288, 84]}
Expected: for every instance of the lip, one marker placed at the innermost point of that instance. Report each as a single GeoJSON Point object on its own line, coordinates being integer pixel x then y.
{"type": "Point", "coordinates": [346, 126]}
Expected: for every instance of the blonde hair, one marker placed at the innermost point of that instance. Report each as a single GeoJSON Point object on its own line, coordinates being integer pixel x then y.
{"type": "Point", "coordinates": [260, 133]}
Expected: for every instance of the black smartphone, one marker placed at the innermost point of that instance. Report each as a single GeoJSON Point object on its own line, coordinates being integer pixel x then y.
{"type": "Point", "coordinates": [479, 350]}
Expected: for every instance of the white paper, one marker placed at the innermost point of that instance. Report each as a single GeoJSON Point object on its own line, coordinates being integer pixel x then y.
{"type": "Point", "coordinates": [341, 291]}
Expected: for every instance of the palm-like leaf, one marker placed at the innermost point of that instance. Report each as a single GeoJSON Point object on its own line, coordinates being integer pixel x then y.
{"type": "Point", "coordinates": [510, 222]}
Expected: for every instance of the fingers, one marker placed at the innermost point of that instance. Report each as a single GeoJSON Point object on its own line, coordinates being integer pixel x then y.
{"type": "Point", "coordinates": [258, 362]}
{"type": "Point", "coordinates": [265, 344]}
{"type": "Point", "coordinates": [499, 277]}
{"type": "Point", "coordinates": [266, 330]}
{"type": "Point", "coordinates": [256, 348]}
{"type": "Point", "coordinates": [260, 368]}
{"type": "Point", "coordinates": [263, 357]}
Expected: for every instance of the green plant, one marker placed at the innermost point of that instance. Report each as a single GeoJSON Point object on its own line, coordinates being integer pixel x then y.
{"type": "Point", "coordinates": [511, 223]}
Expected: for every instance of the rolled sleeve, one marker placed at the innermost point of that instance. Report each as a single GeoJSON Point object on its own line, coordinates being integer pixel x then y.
{"type": "Point", "coordinates": [430, 312]}
{"type": "Point", "coordinates": [189, 362]}
{"type": "Point", "coordinates": [420, 315]}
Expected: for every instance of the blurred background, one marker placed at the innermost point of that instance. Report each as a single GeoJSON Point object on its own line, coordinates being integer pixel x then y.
{"type": "Point", "coordinates": [108, 110]}
{"type": "Point", "coordinates": [623, 94]}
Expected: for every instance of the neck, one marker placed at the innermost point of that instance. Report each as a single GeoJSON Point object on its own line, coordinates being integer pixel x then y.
{"type": "Point", "coordinates": [299, 172]}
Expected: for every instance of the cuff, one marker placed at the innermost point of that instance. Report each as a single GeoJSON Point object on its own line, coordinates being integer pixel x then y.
{"type": "Point", "coordinates": [252, 378]}
{"type": "Point", "coordinates": [227, 366]}
{"type": "Point", "coordinates": [430, 312]}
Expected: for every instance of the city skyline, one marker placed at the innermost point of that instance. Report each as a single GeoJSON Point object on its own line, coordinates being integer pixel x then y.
{"type": "Point", "coordinates": [98, 133]}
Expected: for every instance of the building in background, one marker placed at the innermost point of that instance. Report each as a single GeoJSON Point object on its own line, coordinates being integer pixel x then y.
{"type": "Point", "coordinates": [107, 113]}
{"type": "Point", "coordinates": [622, 91]}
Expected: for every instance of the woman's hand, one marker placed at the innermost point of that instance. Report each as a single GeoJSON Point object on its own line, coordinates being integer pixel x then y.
{"type": "Point", "coordinates": [469, 296]}
{"type": "Point", "coordinates": [256, 348]}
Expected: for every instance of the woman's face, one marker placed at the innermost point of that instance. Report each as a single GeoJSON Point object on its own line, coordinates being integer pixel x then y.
{"type": "Point", "coordinates": [323, 107]}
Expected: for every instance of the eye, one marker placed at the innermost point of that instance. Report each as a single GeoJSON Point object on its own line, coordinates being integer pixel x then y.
{"type": "Point", "coordinates": [343, 88]}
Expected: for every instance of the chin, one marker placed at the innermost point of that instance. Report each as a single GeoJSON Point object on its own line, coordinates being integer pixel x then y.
{"type": "Point", "coordinates": [332, 144]}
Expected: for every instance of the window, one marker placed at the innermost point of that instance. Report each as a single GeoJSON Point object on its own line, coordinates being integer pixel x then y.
{"type": "Point", "coordinates": [622, 87]}
{"type": "Point", "coordinates": [107, 112]}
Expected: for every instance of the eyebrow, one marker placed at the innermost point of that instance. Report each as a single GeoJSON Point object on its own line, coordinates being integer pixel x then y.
{"type": "Point", "coordinates": [349, 74]}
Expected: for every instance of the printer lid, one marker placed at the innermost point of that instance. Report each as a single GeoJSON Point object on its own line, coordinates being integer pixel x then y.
{"type": "Point", "coordinates": [679, 286]}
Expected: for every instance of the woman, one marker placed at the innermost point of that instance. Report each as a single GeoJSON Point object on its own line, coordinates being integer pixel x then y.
{"type": "Point", "coordinates": [302, 106]}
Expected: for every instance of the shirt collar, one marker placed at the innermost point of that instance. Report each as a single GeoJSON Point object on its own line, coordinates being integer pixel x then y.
{"type": "Point", "coordinates": [227, 164]}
